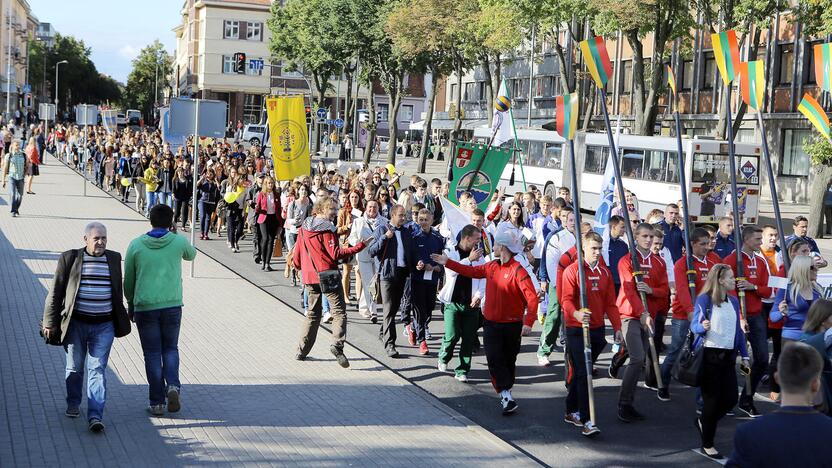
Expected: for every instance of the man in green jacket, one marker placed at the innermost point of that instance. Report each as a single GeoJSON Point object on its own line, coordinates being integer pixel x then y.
{"type": "Point", "coordinates": [153, 288]}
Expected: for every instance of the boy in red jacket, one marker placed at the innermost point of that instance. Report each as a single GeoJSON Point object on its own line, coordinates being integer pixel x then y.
{"type": "Point", "coordinates": [600, 293]}
{"type": "Point", "coordinates": [636, 323]}
{"type": "Point", "coordinates": [508, 292]}
{"type": "Point", "coordinates": [755, 325]}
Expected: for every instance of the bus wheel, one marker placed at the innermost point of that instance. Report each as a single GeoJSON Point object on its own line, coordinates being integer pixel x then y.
{"type": "Point", "coordinates": [550, 190]}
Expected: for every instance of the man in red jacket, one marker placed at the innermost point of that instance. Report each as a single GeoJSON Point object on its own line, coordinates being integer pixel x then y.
{"type": "Point", "coordinates": [755, 325]}
{"type": "Point", "coordinates": [636, 322]}
{"type": "Point", "coordinates": [682, 305]}
{"type": "Point", "coordinates": [600, 294]}
{"type": "Point", "coordinates": [317, 250]}
{"type": "Point", "coordinates": [508, 292]}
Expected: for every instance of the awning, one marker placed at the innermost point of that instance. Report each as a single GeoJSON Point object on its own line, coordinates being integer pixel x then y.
{"type": "Point", "coordinates": [420, 125]}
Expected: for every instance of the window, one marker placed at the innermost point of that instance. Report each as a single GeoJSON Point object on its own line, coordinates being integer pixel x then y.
{"type": "Point", "coordinates": [254, 66]}
{"type": "Point", "coordinates": [228, 64]}
{"type": "Point", "coordinates": [708, 74]}
{"type": "Point", "coordinates": [252, 110]}
{"type": "Point", "coordinates": [544, 86]}
{"type": "Point", "coordinates": [231, 29]}
{"type": "Point", "coordinates": [554, 155]}
{"type": "Point", "coordinates": [661, 166]}
{"type": "Point", "coordinates": [809, 74]}
{"type": "Point", "coordinates": [746, 135]}
{"type": "Point", "coordinates": [453, 92]}
{"type": "Point", "coordinates": [254, 32]}
{"type": "Point", "coordinates": [384, 111]}
{"type": "Point", "coordinates": [687, 74]}
{"type": "Point", "coordinates": [406, 113]}
{"type": "Point", "coordinates": [595, 161]}
{"type": "Point", "coordinates": [632, 163]}
{"type": "Point", "coordinates": [795, 160]}
{"type": "Point", "coordinates": [786, 64]}
{"type": "Point", "coordinates": [470, 93]}
{"type": "Point", "coordinates": [626, 83]}
{"type": "Point", "coordinates": [536, 155]}
{"type": "Point", "coordinates": [519, 88]}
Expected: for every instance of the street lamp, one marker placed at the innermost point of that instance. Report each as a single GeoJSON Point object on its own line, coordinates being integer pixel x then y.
{"type": "Point", "coordinates": [57, 68]}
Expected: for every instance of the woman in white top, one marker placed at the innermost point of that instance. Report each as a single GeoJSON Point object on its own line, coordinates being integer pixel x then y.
{"type": "Point", "coordinates": [716, 324]}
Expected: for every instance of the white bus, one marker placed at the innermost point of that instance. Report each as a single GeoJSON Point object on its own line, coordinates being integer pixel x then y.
{"type": "Point", "coordinates": [649, 168]}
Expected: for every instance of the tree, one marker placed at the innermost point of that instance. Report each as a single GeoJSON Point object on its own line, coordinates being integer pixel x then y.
{"type": "Point", "coordinates": [665, 21]}
{"type": "Point", "coordinates": [150, 68]}
{"type": "Point", "coordinates": [78, 74]}
{"type": "Point", "coordinates": [820, 154]}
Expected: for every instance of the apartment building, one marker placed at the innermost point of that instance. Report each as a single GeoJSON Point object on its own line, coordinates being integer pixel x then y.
{"type": "Point", "coordinates": [18, 26]}
{"type": "Point", "coordinates": [786, 53]}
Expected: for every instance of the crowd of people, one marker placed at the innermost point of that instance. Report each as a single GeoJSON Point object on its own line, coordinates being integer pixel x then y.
{"type": "Point", "coordinates": [367, 237]}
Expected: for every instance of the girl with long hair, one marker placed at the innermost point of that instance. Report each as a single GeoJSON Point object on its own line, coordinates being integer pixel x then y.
{"type": "Point", "coordinates": [268, 214]}
{"type": "Point", "coordinates": [352, 201]}
{"type": "Point", "coordinates": [791, 305]}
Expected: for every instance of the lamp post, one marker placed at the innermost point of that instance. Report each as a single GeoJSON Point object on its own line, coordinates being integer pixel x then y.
{"type": "Point", "coordinates": [57, 68]}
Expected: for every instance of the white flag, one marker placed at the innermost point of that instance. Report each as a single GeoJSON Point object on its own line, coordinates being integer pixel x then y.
{"type": "Point", "coordinates": [453, 220]}
{"type": "Point", "coordinates": [502, 125]}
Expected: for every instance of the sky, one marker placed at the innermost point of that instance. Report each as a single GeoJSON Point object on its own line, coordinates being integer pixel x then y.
{"type": "Point", "coordinates": [115, 30]}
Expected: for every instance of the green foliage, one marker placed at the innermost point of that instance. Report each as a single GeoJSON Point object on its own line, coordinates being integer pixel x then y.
{"type": "Point", "coordinates": [79, 74]}
{"type": "Point", "coordinates": [819, 150]}
{"type": "Point", "coordinates": [815, 16]}
{"type": "Point", "coordinates": [141, 83]}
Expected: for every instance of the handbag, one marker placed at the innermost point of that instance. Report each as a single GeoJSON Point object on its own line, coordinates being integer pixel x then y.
{"type": "Point", "coordinates": [688, 366]}
{"type": "Point", "coordinates": [330, 280]}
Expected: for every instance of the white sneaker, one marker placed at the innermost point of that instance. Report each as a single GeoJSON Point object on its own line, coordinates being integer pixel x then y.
{"type": "Point", "coordinates": [590, 429]}
{"type": "Point", "coordinates": [443, 367]}
{"type": "Point", "coordinates": [462, 378]}
{"type": "Point", "coordinates": [327, 318]}
{"type": "Point", "coordinates": [543, 361]}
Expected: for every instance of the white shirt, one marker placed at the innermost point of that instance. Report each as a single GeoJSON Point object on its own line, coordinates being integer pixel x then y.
{"type": "Point", "coordinates": [270, 203]}
{"type": "Point", "coordinates": [723, 327]}
{"type": "Point", "coordinates": [399, 250]}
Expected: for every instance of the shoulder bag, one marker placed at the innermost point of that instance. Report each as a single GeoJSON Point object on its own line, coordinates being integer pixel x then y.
{"type": "Point", "coordinates": [330, 280]}
{"type": "Point", "coordinates": [688, 366]}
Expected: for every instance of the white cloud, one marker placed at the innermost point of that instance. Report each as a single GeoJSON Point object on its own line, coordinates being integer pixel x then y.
{"type": "Point", "coordinates": [128, 52]}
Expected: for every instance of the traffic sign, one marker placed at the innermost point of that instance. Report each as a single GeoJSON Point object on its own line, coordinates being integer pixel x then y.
{"type": "Point", "coordinates": [46, 111]}
{"type": "Point", "coordinates": [748, 169]}
{"type": "Point", "coordinates": [339, 123]}
{"type": "Point", "coordinates": [27, 88]}
{"type": "Point", "coordinates": [321, 113]}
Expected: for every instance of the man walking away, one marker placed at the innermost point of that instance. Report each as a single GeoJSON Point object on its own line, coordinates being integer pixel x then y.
{"type": "Point", "coordinates": [84, 311]}
{"type": "Point", "coordinates": [509, 291]}
{"type": "Point", "coordinates": [15, 167]}
{"type": "Point", "coordinates": [153, 288]}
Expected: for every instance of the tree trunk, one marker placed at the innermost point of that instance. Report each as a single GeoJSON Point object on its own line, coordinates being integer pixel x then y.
{"type": "Point", "coordinates": [348, 103]}
{"type": "Point", "coordinates": [590, 108]}
{"type": "Point", "coordinates": [371, 125]}
{"type": "Point", "coordinates": [638, 95]}
{"type": "Point", "coordinates": [821, 176]}
{"type": "Point", "coordinates": [458, 116]}
{"type": "Point", "coordinates": [564, 76]}
{"type": "Point", "coordinates": [485, 64]}
{"type": "Point", "coordinates": [721, 126]}
{"type": "Point", "coordinates": [752, 55]}
{"type": "Point", "coordinates": [395, 93]}
{"type": "Point", "coordinates": [423, 152]}
{"type": "Point", "coordinates": [321, 83]}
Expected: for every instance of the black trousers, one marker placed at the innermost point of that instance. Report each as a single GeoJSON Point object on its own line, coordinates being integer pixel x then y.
{"type": "Point", "coordinates": [577, 396]}
{"type": "Point", "coordinates": [257, 250]}
{"type": "Point", "coordinates": [180, 208]}
{"type": "Point", "coordinates": [234, 223]}
{"type": "Point", "coordinates": [719, 389]}
{"type": "Point", "coordinates": [267, 231]}
{"type": "Point", "coordinates": [423, 298]}
{"type": "Point", "coordinates": [391, 297]}
{"type": "Point", "coordinates": [502, 343]}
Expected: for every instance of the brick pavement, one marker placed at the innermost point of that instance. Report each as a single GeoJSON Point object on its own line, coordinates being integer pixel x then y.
{"type": "Point", "coordinates": [245, 400]}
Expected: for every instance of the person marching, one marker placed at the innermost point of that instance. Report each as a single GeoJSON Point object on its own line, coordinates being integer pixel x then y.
{"type": "Point", "coordinates": [424, 276]}
{"type": "Point", "coordinates": [556, 244]}
{"type": "Point", "coordinates": [510, 291]}
{"type": "Point", "coordinates": [682, 304]}
{"type": "Point", "coordinates": [600, 302]}
{"type": "Point", "coordinates": [636, 322]}
{"type": "Point", "coordinates": [755, 324]}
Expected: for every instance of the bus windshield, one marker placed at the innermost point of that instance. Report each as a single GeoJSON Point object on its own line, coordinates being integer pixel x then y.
{"type": "Point", "coordinates": [710, 167]}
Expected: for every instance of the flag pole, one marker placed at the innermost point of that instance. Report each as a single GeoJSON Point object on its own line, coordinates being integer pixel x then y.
{"type": "Point", "coordinates": [482, 160]}
{"type": "Point", "coordinates": [516, 148]}
{"type": "Point", "coordinates": [684, 186]}
{"type": "Point", "coordinates": [576, 197]}
{"type": "Point", "coordinates": [637, 273]}
{"type": "Point", "coordinates": [735, 207]}
{"type": "Point", "coordinates": [773, 188]}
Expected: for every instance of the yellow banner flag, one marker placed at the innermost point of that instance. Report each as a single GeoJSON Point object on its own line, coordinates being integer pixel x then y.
{"type": "Point", "coordinates": [289, 138]}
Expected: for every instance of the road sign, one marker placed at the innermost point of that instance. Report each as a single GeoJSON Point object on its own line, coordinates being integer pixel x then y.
{"type": "Point", "coordinates": [212, 117]}
{"type": "Point", "coordinates": [27, 88]}
{"type": "Point", "coordinates": [86, 114]}
{"type": "Point", "coordinates": [748, 169]}
{"type": "Point", "coordinates": [255, 64]}
{"type": "Point", "coordinates": [321, 113]}
{"type": "Point", "coordinates": [46, 111]}
{"type": "Point", "coordinates": [339, 123]}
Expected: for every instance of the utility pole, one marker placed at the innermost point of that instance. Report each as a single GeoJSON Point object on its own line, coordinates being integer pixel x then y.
{"type": "Point", "coordinates": [57, 68]}
{"type": "Point", "coordinates": [9, 62]}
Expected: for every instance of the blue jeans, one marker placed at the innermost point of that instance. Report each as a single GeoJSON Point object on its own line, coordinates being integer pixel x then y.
{"type": "Point", "coordinates": [677, 339]}
{"type": "Point", "coordinates": [159, 335]}
{"type": "Point", "coordinates": [324, 302]}
{"type": "Point", "coordinates": [152, 199]}
{"type": "Point", "coordinates": [88, 345]}
{"type": "Point", "coordinates": [16, 193]}
{"type": "Point", "coordinates": [205, 210]}
{"type": "Point", "coordinates": [757, 336]}
{"type": "Point", "coordinates": [166, 198]}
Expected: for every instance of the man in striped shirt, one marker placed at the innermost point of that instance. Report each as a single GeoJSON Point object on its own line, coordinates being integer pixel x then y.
{"type": "Point", "coordinates": [85, 319]}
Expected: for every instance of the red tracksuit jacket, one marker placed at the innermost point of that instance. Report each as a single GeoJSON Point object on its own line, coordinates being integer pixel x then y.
{"type": "Point", "coordinates": [682, 305]}
{"type": "Point", "coordinates": [600, 295]}
{"type": "Point", "coordinates": [508, 290]}
{"type": "Point", "coordinates": [655, 275]}
{"type": "Point", "coordinates": [756, 272]}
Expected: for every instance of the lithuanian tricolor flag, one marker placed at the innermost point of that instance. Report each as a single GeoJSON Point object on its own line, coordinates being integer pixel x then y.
{"type": "Point", "coordinates": [567, 115]}
{"type": "Point", "coordinates": [597, 60]}
{"type": "Point", "coordinates": [671, 79]}
{"type": "Point", "coordinates": [812, 110]}
{"type": "Point", "coordinates": [752, 83]}
{"type": "Point", "coordinates": [823, 66]}
{"type": "Point", "coordinates": [726, 54]}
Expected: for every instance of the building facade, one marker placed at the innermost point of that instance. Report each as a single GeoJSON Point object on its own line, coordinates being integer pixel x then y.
{"type": "Point", "coordinates": [18, 26]}
{"type": "Point", "coordinates": [786, 53]}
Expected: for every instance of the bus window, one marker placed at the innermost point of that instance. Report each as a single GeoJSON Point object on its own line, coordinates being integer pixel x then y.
{"type": "Point", "coordinates": [672, 173]}
{"type": "Point", "coordinates": [632, 164]}
{"type": "Point", "coordinates": [656, 168]}
{"type": "Point", "coordinates": [554, 153]}
{"type": "Point", "coordinates": [595, 160]}
{"type": "Point", "coordinates": [536, 155]}
{"type": "Point", "coordinates": [714, 168]}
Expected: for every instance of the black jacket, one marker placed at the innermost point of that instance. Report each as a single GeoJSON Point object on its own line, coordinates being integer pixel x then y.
{"type": "Point", "coordinates": [384, 251]}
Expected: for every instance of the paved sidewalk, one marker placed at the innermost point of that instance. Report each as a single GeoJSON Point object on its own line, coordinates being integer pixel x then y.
{"type": "Point", "coordinates": [245, 399]}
